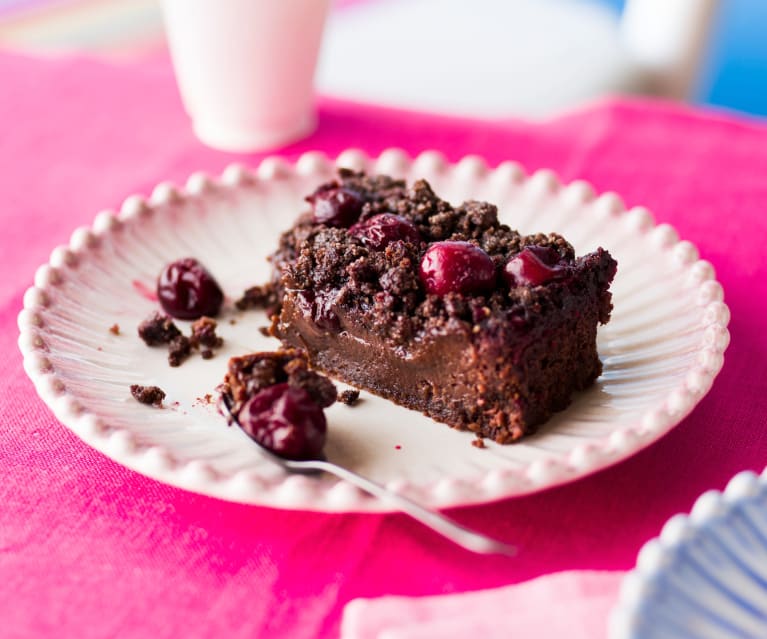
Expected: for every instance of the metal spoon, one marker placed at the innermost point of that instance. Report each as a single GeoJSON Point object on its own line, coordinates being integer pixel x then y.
{"type": "Point", "coordinates": [455, 532]}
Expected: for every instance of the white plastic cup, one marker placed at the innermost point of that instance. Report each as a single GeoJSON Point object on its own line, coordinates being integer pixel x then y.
{"type": "Point", "coordinates": [245, 68]}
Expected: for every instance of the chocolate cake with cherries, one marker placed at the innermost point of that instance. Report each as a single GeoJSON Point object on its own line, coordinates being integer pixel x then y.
{"type": "Point", "coordinates": [440, 308]}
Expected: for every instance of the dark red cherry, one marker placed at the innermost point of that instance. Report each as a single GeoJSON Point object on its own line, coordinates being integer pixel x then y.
{"type": "Point", "coordinates": [380, 230]}
{"type": "Point", "coordinates": [186, 290]}
{"type": "Point", "coordinates": [533, 266]}
{"type": "Point", "coordinates": [285, 420]}
{"type": "Point", "coordinates": [320, 309]}
{"type": "Point", "coordinates": [336, 206]}
{"type": "Point", "coordinates": [456, 267]}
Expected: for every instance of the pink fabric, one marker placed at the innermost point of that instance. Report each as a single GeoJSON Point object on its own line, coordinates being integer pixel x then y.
{"type": "Point", "coordinates": [583, 601]}
{"type": "Point", "coordinates": [89, 549]}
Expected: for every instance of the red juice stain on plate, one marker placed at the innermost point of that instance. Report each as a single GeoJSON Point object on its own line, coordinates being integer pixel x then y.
{"type": "Point", "coordinates": [398, 447]}
{"type": "Point", "coordinates": [143, 290]}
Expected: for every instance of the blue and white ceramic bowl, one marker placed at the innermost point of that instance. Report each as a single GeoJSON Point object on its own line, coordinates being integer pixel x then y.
{"type": "Point", "coordinates": [705, 576]}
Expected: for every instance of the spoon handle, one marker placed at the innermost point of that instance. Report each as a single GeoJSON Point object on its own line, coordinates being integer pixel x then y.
{"type": "Point", "coordinates": [455, 532]}
{"type": "Point", "coordinates": [464, 537]}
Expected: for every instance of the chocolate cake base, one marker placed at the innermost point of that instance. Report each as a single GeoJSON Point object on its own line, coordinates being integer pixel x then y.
{"type": "Point", "coordinates": [500, 388]}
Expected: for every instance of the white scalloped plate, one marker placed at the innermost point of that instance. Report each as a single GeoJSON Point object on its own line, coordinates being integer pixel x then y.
{"type": "Point", "coordinates": [705, 576]}
{"type": "Point", "coordinates": [661, 351]}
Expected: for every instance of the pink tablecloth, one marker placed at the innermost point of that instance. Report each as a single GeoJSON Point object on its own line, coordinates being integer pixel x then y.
{"type": "Point", "coordinates": [89, 549]}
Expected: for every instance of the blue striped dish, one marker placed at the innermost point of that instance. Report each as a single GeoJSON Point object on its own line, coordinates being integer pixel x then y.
{"type": "Point", "coordinates": [705, 576]}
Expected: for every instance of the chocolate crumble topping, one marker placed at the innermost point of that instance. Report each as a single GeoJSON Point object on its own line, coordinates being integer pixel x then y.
{"type": "Point", "coordinates": [335, 268]}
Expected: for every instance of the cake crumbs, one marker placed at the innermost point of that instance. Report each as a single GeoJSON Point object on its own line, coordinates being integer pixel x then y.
{"type": "Point", "coordinates": [158, 329]}
{"type": "Point", "coordinates": [264, 330]}
{"type": "Point", "coordinates": [478, 443]}
{"type": "Point", "coordinates": [349, 397]}
{"type": "Point", "coordinates": [264, 297]}
{"type": "Point", "coordinates": [205, 400]}
{"type": "Point", "coordinates": [179, 349]}
{"type": "Point", "coordinates": [204, 333]}
{"type": "Point", "coordinates": [114, 329]}
{"type": "Point", "coordinates": [151, 395]}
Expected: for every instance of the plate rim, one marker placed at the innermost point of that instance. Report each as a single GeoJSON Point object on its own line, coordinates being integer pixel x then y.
{"type": "Point", "coordinates": [294, 492]}
{"type": "Point", "coordinates": [711, 508]}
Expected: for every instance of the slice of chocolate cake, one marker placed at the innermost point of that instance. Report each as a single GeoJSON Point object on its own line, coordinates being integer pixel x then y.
{"type": "Point", "coordinates": [441, 309]}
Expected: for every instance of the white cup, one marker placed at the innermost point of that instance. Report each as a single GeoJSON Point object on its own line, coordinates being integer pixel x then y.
{"type": "Point", "coordinates": [245, 68]}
